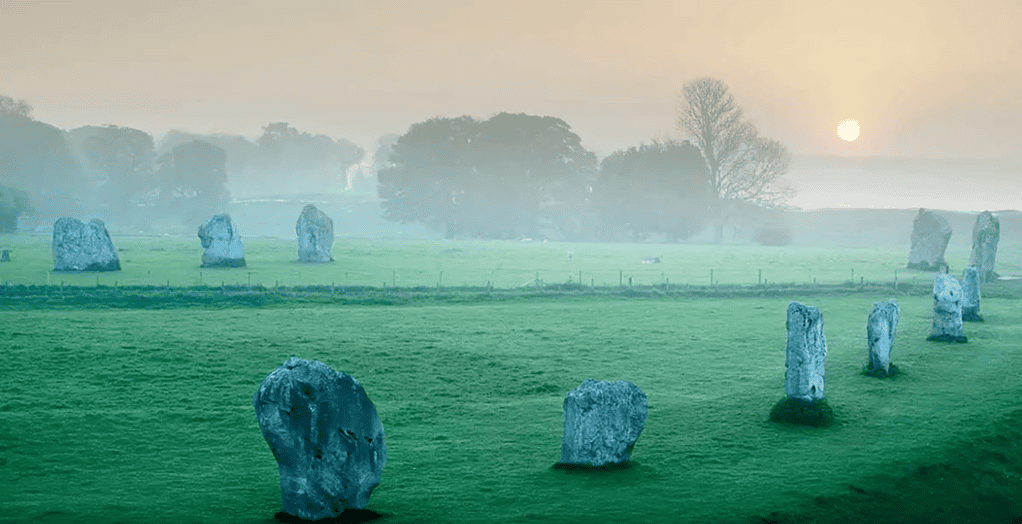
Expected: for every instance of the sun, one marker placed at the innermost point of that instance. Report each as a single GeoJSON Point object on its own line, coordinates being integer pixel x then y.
{"type": "Point", "coordinates": [848, 129]}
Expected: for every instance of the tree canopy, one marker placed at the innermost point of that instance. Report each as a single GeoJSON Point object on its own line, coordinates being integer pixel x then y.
{"type": "Point", "coordinates": [742, 167]}
{"type": "Point", "coordinates": [509, 176]}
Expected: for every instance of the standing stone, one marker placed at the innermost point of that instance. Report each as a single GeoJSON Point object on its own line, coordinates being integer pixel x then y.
{"type": "Point", "coordinates": [78, 246]}
{"type": "Point", "coordinates": [5, 256]}
{"type": "Point", "coordinates": [221, 240]}
{"type": "Point", "coordinates": [806, 354]}
{"type": "Point", "coordinates": [930, 235]}
{"type": "Point", "coordinates": [602, 422]}
{"type": "Point", "coordinates": [315, 235]}
{"type": "Point", "coordinates": [881, 328]}
{"type": "Point", "coordinates": [947, 309]}
{"type": "Point", "coordinates": [326, 436]}
{"type": "Point", "coordinates": [970, 295]}
{"type": "Point", "coordinates": [985, 235]}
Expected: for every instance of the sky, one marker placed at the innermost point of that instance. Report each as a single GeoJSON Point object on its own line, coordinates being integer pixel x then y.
{"type": "Point", "coordinates": [930, 79]}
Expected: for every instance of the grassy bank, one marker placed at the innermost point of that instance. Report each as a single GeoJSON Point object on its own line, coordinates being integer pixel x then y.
{"type": "Point", "coordinates": [271, 262]}
{"type": "Point", "coordinates": [131, 415]}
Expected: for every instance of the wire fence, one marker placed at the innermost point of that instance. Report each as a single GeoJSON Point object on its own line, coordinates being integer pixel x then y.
{"type": "Point", "coordinates": [468, 277]}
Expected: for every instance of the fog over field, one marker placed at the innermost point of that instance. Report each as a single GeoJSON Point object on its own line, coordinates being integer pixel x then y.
{"type": "Point", "coordinates": [935, 91]}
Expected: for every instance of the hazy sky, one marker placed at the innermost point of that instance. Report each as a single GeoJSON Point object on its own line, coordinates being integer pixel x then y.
{"type": "Point", "coordinates": [924, 78]}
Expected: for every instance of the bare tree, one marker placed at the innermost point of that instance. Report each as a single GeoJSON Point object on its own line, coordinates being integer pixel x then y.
{"type": "Point", "coordinates": [742, 167]}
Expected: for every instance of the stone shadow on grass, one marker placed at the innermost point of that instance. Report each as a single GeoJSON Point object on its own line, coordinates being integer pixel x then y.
{"type": "Point", "coordinates": [595, 470]}
{"type": "Point", "coordinates": [869, 371]}
{"type": "Point", "coordinates": [815, 413]}
{"type": "Point", "coordinates": [349, 516]}
{"type": "Point", "coordinates": [947, 338]}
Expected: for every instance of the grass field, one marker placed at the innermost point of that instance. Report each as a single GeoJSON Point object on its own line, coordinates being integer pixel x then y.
{"type": "Point", "coordinates": [410, 263]}
{"type": "Point", "coordinates": [137, 415]}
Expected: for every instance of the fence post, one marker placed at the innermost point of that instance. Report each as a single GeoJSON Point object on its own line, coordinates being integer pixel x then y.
{"type": "Point", "coordinates": [629, 281]}
{"type": "Point", "coordinates": [580, 277]}
{"type": "Point", "coordinates": [393, 279]}
{"type": "Point", "coordinates": [440, 281]}
{"type": "Point", "coordinates": [711, 277]}
{"type": "Point", "coordinates": [620, 278]}
{"type": "Point", "coordinates": [895, 279]}
{"type": "Point", "coordinates": [759, 280]}
{"type": "Point", "coordinates": [853, 276]}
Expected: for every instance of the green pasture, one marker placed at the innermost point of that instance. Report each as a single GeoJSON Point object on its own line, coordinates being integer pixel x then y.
{"type": "Point", "coordinates": [146, 416]}
{"type": "Point", "coordinates": [175, 261]}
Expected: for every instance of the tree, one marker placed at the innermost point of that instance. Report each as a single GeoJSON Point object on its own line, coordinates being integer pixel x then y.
{"type": "Point", "coordinates": [8, 106]}
{"type": "Point", "coordinates": [658, 188]}
{"type": "Point", "coordinates": [508, 176]}
{"type": "Point", "coordinates": [303, 162]}
{"type": "Point", "coordinates": [427, 171]}
{"type": "Point", "coordinates": [36, 157]}
{"type": "Point", "coordinates": [13, 203]}
{"type": "Point", "coordinates": [192, 178]}
{"type": "Point", "coordinates": [741, 166]}
{"type": "Point", "coordinates": [121, 163]}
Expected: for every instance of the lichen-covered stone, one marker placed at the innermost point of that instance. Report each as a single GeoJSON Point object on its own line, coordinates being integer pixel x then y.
{"type": "Point", "coordinates": [985, 235]}
{"type": "Point", "coordinates": [78, 246]}
{"type": "Point", "coordinates": [315, 232]}
{"type": "Point", "coordinates": [930, 235]}
{"type": "Point", "coordinates": [881, 328]}
{"type": "Point", "coordinates": [221, 240]}
{"type": "Point", "coordinates": [947, 309]}
{"type": "Point", "coordinates": [326, 436]}
{"type": "Point", "coordinates": [602, 422]}
{"type": "Point", "coordinates": [971, 295]}
{"type": "Point", "coordinates": [806, 353]}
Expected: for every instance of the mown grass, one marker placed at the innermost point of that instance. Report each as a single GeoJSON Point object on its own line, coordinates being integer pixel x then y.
{"type": "Point", "coordinates": [131, 415]}
{"type": "Point", "coordinates": [159, 261]}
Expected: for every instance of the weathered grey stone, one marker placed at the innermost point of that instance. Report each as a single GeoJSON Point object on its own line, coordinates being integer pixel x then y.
{"type": "Point", "coordinates": [806, 353]}
{"type": "Point", "coordinates": [326, 436]}
{"type": "Point", "coordinates": [221, 240]}
{"type": "Point", "coordinates": [78, 246]}
{"type": "Point", "coordinates": [881, 328]}
{"type": "Point", "coordinates": [985, 235]}
{"type": "Point", "coordinates": [930, 235]}
{"type": "Point", "coordinates": [602, 422]}
{"type": "Point", "coordinates": [970, 295]}
{"type": "Point", "coordinates": [315, 233]}
{"type": "Point", "coordinates": [5, 256]}
{"type": "Point", "coordinates": [947, 309]}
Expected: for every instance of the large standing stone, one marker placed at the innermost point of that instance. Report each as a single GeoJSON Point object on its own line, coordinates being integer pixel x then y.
{"type": "Point", "coordinates": [803, 375]}
{"type": "Point", "coordinates": [5, 256]}
{"type": "Point", "coordinates": [326, 436]}
{"type": "Point", "coordinates": [315, 235]}
{"type": "Point", "coordinates": [221, 240]}
{"type": "Point", "coordinates": [78, 246]}
{"type": "Point", "coordinates": [881, 328]}
{"type": "Point", "coordinates": [970, 295]}
{"type": "Point", "coordinates": [806, 354]}
{"type": "Point", "coordinates": [947, 309]}
{"type": "Point", "coordinates": [985, 235]}
{"type": "Point", "coordinates": [930, 235]}
{"type": "Point", "coordinates": [602, 422]}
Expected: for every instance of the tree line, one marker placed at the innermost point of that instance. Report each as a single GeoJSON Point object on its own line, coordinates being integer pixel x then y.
{"type": "Point", "coordinates": [523, 176]}
{"type": "Point", "coordinates": [509, 176]}
{"type": "Point", "coordinates": [122, 173]}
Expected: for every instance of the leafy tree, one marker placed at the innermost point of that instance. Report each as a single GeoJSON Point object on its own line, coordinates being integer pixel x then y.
{"type": "Point", "coordinates": [533, 170]}
{"type": "Point", "coordinates": [508, 176]}
{"type": "Point", "coordinates": [121, 162]}
{"type": "Point", "coordinates": [13, 203]}
{"type": "Point", "coordinates": [192, 178]}
{"type": "Point", "coordinates": [36, 156]}
{"type": "Point", "coordinates": [303, 162]}
{"type": "Point", "coordinates": [428, 170]}
{"type": "Point", "coordinates": [741, 166]}
{"type": "Point", "coordinates": [657, 188]}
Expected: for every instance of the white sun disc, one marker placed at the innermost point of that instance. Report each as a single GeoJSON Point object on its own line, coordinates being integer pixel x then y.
{"type": "Point", "coordinates": [848, 129]}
